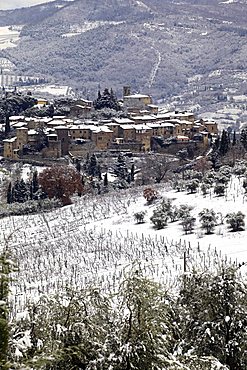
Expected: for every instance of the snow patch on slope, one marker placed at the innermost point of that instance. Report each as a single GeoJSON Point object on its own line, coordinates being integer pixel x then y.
{"type": "Point", "coordinates": [87, 26]}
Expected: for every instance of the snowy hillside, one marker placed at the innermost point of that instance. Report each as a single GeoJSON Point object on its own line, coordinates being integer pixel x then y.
{"type": "Point", "coordinates": [97, 239]}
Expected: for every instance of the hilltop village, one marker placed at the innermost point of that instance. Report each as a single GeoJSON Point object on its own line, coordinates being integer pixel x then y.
{"type": "Point", "coordinates": [140, 126]}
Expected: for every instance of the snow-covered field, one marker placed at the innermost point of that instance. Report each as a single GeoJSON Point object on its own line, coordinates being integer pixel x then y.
{"type": "Point", "coordinates": [9, 36]}
{"type": "Point", "coordinates": [55, 90]}
{"type": "Point", "coordinates": [96, 240]}
{"type": "Point", "coordinates": [87, 26]}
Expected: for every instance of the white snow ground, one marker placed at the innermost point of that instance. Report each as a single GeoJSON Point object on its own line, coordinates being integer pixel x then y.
{"type": "Point", "coordinates": [96, 240]}
{"type": "Point", "coordinates": [9, 36]}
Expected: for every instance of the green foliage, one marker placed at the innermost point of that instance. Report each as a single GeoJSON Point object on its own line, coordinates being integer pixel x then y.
{"type": "Point", "coordinates": [146, 321]}
{"type": "Point", "coordinates": [235, 221]}
{"type": "Point", "coordinates": [224, 143]}
{"type": "Point", "coordinates": [29, 207]}
{"type": "Point", "coordinates": [192, 185]}
{"type": "Point", "coordinates": [121, 169]}
{"type": "Point", "coordinates": [22, 191]}
{"type": "Point", "coordinates": [188, 223]}
{"type": "Point", "coordinates": [208, 220]}
{"type": "Point", "coordinates": [159, 218]}
{"type": "Point", "coordinates": [243, 138]}
{"type": "Point", "coordinates": [139, 217]}
{"type": "Point", "coordinates": [219, 189]}
{"type": "Point", "coordinates": [245, 184]}
{"type": "Point", "coordinates": [214, 306]}
{"type": "Point", "coordinates": [240, 169]}
{"type": "Point", "coordinates": [204, 188]}
{"type": "Point", "coordinates": [106, 100]}
{"type": "Point", "coordinates": [5, 270]}
{"type": "Point", "coordinates": [14, 104]}
{"type": "Point", "coordinates": [167, 210]}
{"type": "Point", "coordinates": [92, 167]}
{"type": "Point", "coordinates": [184, 211]}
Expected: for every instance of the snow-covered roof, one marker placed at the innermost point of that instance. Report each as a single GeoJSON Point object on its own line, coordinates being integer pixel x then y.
{"type": "Point", "coordinates": [180, 137]}
{"type": "Point", "coordinates": [19, 124]}
{"type": "Point", "coordinates": [160, 124]}
{"type": "Point", "coordinates": [11, 140]}
{"type": "Point", "coordinates": [136, 96]}
{"type": "Point", "coordinates": [16, 118]}
{"type": "Point", "coordinates": [127, 127]}
{"type": "Point", "coordinates": [32, 132]}
{"type": "Point", "coordinates": [145, 117]}
{"type": "Point", "coordinates": [122, 121]}
{"type": "Point", "coordinates": [142, 127]}
{"type": "Point", "coordinates": [55, 122]}
{"type": "Point", "coordinates": [101, 129]}
{"type": "Point", "coordinates": [45, 119]}
{"type": "Point", "coordinates": [62, 127]}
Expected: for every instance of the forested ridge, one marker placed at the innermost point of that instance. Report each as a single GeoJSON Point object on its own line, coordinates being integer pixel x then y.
{"type": "Point", "coordinates": [87, 44]}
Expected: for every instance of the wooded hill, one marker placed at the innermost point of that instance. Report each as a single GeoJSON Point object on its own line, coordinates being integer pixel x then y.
{"type": "Point", "coordinates": [155, 46]}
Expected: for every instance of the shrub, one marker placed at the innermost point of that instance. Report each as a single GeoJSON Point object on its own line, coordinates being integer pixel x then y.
{"type": "Point", "coordinates": [208, 220]}
{"type": "Point", "coordinates": [219, 189]}
{"type": "Point", "coordinates": [139, 217]}
{"type": "Point", "coordinates": [150, 194]}
{"type": "Point", "coordinates": [235, 221]}
{"type": "Point", "coordinates": [192, 185]}
{"type": "Point", "coordinates": [188, 224]}
{"type": "Point", "coordinates": [159, 219]}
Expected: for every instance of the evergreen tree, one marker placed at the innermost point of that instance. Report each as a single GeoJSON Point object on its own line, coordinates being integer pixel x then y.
{"type": "Point", "coordinates": [224, 143]}
{"type": "Point", "coordinates": [121, 169]}
{"type": "Point", "coordinates": [78, 165]}
{"type": "Point", "coordinates": [234, 140]}
{"type": "Point", "coordinates": [35, 183]}
{"type": "Point", "coordinates": [105, 180]}
{"type": "Point", "coordinates": [99, 172]}
{"type": "Point", "coordinates": [9, 194]}
{"type": "Point", "coordinates": [20, 191]}
{"type": "Point", "coordinates": [93, 166]}
{"type": "Point", "coordinates": [106, 100]}
{"type": "Point", "coordinates": [243, 138]}
{"type": "Point", "coordinates": [7, 125]}
{"type": "Point", "coordinates": [132, 173]}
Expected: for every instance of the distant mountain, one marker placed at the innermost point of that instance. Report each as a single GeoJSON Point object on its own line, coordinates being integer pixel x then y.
{"type": "Point", "coordinates": [156, 46]}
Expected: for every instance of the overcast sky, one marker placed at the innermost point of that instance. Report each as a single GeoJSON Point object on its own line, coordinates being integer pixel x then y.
{"type": "Point", "coordinates": [12, 4]}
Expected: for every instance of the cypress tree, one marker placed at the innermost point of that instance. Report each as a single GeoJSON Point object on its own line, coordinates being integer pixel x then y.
{"type": "Point", "coordinates": [234, 138]}
{"type": "Point", "coordinates": [105, 180]}
{"type": "Point", "coordinates": [132, 172]}
{"type": "Point", "coordinates": [35, 182]}
{"type": "Point", "coordinates": [243, 138]}
{"type": "Point", "coordinates": [224, 143]}
{"type": "Point", "coordinates": [99, 172]}
{"type": "Point", "coordinates": [9, 194]}
{"type": "Point", "coordinates": [7, 125]}
{"type": "Point", "coordinates": [78, 165]}
{"type": "Point", "coordinates": [92, 165]}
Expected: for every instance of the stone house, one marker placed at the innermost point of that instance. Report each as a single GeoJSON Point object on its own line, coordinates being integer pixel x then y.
{"type": "Point", "coordinates": [102, 137]}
